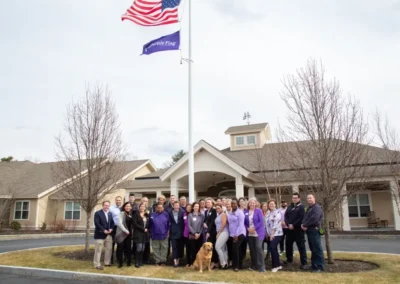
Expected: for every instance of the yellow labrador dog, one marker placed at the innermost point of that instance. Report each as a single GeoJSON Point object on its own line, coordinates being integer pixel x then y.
{"type": "Point", "coordinates": [203, 257]}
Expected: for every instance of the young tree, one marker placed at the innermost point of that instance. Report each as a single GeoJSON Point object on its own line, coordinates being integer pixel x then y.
{"type": "Point", "coordinates": [175, 158]}
{"type": "Point", "coordinates": [388, 137]}
{"type": "Point", "coordinates": [7, 159]}
{"type": "Point", "coordinates": [325, 131]}
{"type": "Point", "coordinates": [90, 152]}
{"type": "Point", "coordinates": [267, 161]}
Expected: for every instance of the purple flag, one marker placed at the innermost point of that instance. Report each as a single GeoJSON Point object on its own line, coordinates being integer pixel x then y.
{"type": "Point", "coordinates": [168, 42]}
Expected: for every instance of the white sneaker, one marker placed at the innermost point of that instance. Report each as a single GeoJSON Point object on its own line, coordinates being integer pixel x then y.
{"type": "Point", "coordinates": [276, 269]}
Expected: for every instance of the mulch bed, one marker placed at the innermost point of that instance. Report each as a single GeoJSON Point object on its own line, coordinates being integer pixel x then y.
{"type": "Point", "coordinates": [340, 265]}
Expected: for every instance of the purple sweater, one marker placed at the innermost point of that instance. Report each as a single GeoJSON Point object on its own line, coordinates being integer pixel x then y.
{"type": "Point", "coordinates": [258, 222]}
{"type": "Point", "coordinates": [186, 228]}
{"type": "Point", "coordinates": [236, 223]}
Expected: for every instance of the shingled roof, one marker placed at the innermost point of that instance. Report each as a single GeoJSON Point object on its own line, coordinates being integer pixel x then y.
{"type": "Point", "coordinates": [28, 180]}
{"type": "Point", "coordinates": [246, 128]}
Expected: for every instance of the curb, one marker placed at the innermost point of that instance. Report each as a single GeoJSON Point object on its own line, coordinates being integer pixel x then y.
{"type": "Point", "coordinates": [106, 278]}
{"type": "Point", "coordinates": [40, 236]}
{"type": "Point", "coordinates": [89, 277]}
{"type": "Point", "coordinates": [366, 237]}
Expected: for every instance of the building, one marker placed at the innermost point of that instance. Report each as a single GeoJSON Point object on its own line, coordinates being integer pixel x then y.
{"type": "Point", "coordinates": [237, 171]}
{"type": "Point", "coordinates": [246, 168]}
{"type": "Point", "coordinates": [35, 198]}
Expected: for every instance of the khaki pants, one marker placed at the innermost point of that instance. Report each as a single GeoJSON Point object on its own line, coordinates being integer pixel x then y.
{"type": "Point", "coordinates": [160, 249]}
{"type": "Point", "coordinates": [107, 243]}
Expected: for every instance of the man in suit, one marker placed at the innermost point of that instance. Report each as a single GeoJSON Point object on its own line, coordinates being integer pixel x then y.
{"type": "Point", "coordinates": [104, 224]}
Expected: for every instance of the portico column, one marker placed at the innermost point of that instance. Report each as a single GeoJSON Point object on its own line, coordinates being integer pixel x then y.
{"type": "Point", "coordinates": [252, 192]}
{"type": "Point", "coordinates": [394, 189]}
{"type": "Point", "coordinates": [295, 188]}
{"type": "Point", "coordinates": [158, 193]}
{"type": "Point", "coordinates": [239, 187]}
{"type": "Point", "coordinates": [174, 189]}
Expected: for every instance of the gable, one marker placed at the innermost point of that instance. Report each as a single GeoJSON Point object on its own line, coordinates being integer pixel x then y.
{"type": "Point", "coordinates": [206, 158]}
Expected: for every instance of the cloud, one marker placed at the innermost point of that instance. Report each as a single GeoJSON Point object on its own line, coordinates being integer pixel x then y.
{"type": "Point", "coordinates": [26, 128]}
{"type": "Point", "coordinates": [238, 9]}
{"type": "Point", "coordinates": [156, 143]}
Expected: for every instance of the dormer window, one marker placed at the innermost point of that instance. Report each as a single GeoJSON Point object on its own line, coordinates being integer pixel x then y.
{"type": "Point", "coordinates": [244, 140]}
{"type": "Point", "coordinates": [251, 140]}
{"type": "Point", "coordinates": [239, 140]}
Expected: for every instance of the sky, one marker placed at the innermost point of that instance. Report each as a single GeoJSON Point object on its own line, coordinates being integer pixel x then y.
{"type": "Point", "coordinates": [49, 51]}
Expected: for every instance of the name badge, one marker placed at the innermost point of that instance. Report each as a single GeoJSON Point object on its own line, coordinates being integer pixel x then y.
{"type": "Point", "coordinates": [194, 219]}
{"type": "Point", "coordinates": [246, 214]}
{"type": "Point", "coordinates": [151, 217]}
{"type": "Point", "coordinates": [184, 217]}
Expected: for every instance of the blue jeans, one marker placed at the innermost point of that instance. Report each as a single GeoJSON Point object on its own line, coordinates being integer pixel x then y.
{"type": "Point", "coordinates": [317, 254]}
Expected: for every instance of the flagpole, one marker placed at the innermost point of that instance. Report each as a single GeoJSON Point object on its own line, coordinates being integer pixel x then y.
{"type": "Point", "coordinates": [191, 154]}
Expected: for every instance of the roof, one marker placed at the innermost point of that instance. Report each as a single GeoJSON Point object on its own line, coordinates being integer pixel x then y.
{"type": "Point", "coordinates": [153, 175]}
{"type": "Point", "coordinates": [246, 128]}
{"type": "Point", "coordinates": [276, 155]}
{"type": "Point", "coordinates": [123, 169]}
{"type": "Point", "coordinates": [28, 180]}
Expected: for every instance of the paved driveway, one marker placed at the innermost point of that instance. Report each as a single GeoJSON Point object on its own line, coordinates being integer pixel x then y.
{"type": "Point", "coordinates": [368, 245]}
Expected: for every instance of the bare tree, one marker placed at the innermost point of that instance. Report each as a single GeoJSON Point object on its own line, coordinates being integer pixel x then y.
{"type": "Point", "coordinates": [89, 155]}
{"type": "Point", "coordinates": [327, 134]}
{"type": "Point", "coordinates": [268, 163]}
{"type": "Point", "coordinates": [388, 137]}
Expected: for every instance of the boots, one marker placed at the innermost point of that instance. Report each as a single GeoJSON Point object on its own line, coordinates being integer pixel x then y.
{"type": "Point", "coordinates": [141, 258]}
{"type": "Point", "coordinates": [137, 259]}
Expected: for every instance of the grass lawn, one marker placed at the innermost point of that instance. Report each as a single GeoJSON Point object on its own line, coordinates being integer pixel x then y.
{"type": "Point", "coordinates": [388, 272]}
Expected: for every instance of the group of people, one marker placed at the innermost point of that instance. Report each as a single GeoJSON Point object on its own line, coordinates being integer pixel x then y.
{"type": "Point", "coordinates": [231, 225]}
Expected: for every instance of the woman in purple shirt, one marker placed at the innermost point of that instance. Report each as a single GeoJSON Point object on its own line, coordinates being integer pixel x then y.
{"type": "Point", "coordinates": [237, 231]}
{"type": "Point", "coordinates": [254, 223]}
{"type": "Point", "coordinates": [186, 232]}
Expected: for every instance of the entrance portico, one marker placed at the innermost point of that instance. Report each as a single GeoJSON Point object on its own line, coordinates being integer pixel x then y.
{"type": "Point", "coordinates": [211, 168]}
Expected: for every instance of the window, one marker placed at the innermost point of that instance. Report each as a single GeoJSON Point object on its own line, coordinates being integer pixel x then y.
{"type": "Point", "coordinates": [72, 211]}
{"type": "Point", "coordinates": [239, 140]}
{"type": "Point", "coordinates": [21, 210]}
{"type": "Point", "coordinates": [251, 140]}
{"type": "Point", "coordinates": [245, 140]}
{"type": "Point", "coordinates": [359, 205]}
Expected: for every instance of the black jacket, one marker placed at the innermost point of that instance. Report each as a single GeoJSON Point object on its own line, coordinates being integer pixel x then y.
{"type": "Point", "coordinates": [313, 217]}
{"type": "Point", "coordinates": [209, 219]}
{"type": "Point", "coordinates": [176, 229]}
{"type": "Point", "coordinates": [294, 215]}
{"type": "Point", "coordinates": [139, 236]}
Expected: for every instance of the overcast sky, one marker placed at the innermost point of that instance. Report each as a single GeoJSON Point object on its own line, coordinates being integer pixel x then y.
{"type": "Point", "coordinates": [241, 50]}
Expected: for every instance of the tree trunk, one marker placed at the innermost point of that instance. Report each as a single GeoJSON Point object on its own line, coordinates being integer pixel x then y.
{"type": "Point", "coordinates": [87, 233]}
{"type": "Point", "coordinates": [328, 238]}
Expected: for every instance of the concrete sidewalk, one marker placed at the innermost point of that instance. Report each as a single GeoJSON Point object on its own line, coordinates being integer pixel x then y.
{"type": "Point", "coordinates": [40, 236]}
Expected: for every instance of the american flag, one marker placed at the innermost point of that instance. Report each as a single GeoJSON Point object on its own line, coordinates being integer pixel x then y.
{"type": "Point", "coordinates": [153, 12]}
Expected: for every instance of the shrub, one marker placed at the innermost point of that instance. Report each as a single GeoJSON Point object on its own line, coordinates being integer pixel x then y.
{"type": "Point", "coordinates": [14, 225]}
{"type": "Point", "coordinates": [44, 226]}
{"type": "Point", "coordinates": [60, 226]}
